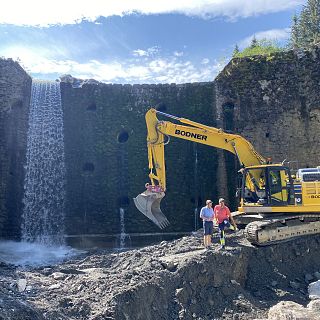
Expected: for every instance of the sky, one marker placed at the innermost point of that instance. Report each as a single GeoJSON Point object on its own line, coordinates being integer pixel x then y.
{"type": "Point", "coordinates": [137, 41]}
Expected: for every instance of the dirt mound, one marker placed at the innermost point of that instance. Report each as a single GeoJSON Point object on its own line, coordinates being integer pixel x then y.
{"type": "Point", "coordinates": [171, 280]}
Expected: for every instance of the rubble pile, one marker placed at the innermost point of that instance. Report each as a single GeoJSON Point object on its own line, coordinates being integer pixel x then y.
{"type": "Point", "coordinates": [172, 280]}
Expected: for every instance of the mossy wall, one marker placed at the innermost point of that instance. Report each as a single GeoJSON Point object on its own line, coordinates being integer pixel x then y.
{"type": "Point", "coordinates": [15, 91]}
{"type": "Point", "coordinates": [106, 155]}
{"type": "Point", "coordinates": [273, 101]}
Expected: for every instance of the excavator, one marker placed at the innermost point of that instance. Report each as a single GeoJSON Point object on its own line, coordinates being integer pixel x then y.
{"type": "Point", "coordinates": [275, 204]}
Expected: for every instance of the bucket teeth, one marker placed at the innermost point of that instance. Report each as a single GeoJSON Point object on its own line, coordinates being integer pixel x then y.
{"type": "Point", "coordinates": [148, 203]}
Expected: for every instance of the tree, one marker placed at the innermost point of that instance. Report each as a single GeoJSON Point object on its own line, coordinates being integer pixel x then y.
{"type": "Point", "coordinates": [305, 29]}
{"type": "Point", "coordinates": [254, 42]}
{"type": "Point", "coordinates": [235, 51]}
{"type": "Point", "coordinates": [295, 35]}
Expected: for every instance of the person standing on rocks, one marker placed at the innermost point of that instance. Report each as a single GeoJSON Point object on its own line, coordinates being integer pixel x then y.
{"type": "Point", "coordinates": [207, 215]}
{"type": "Point", "coordinates": [223, 218]}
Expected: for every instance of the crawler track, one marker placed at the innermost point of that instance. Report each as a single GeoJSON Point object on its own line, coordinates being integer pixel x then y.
{"type": "Point", "coordinates": [271, 231]}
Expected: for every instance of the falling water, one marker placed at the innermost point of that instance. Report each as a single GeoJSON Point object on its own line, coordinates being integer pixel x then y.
{"type": "Point", "coordinates": [122, 229]}
{"type": "Point", "coordinates": [43, 214]}
{"type": "Point", "coordinates": [125, 239]}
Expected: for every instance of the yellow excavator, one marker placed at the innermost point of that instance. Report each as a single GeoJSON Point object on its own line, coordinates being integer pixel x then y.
{"type": "Point", "coordinates": [275, 204]}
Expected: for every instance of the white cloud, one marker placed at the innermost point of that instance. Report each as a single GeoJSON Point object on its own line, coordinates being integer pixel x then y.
{"type": "Point", "coordinates": [205, 61]}
{"type": "Point", "coordinates": [44, 13]}
{"type": "Point", "coordinates": [140, 53]}
{"type": "Point", "coordinates": [273, 34]}
{"type": "Point", "coordinates": [178, 53]}
{"type": "Point", "coordinates": [146, 53]}
{"type": "Point", "coordinates": [153, 70]}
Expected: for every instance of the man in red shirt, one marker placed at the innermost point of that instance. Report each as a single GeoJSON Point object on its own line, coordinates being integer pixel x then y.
{"type": "Point", "coordinates": [223, 217]}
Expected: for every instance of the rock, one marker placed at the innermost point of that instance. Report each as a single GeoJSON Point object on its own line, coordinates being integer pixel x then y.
{"type": "Point", "coordinates": [54, 286]}
{"type": "Point", "coordinates": [169, 265]}
{"type": "Point", "coordinates": [314, 305]}
{"type": "Point", "coordinates": [59, 276]}
{"type": "Point", "coordinates": [314, 290]}
{"type": "Point", "coordinates": [287, 310]}
{"type": "Point", "coordinates": [274, 283]}
{"type": "Point", "coordinates": [22, 283]}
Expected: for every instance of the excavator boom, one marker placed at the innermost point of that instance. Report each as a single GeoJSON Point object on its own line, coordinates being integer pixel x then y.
{"type": "Point", "coordinates": [274, 205]}
{"type": "Point", "coordinates": [148, 202]}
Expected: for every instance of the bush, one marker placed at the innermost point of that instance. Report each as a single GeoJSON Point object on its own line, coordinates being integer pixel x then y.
{"type": "Point", "coordinates": [259, 47]}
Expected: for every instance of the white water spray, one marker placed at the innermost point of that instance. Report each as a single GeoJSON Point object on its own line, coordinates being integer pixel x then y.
{"type": "Point", "coordinates": [123, 235]}
{"type": "Point", "coordinates": [43, 214]}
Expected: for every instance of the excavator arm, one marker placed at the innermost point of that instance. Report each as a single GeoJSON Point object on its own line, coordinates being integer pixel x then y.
{"type": "Point", "coordinates": [159, 133]}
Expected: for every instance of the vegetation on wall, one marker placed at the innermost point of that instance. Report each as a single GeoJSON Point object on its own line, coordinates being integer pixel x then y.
{"type": "Point", "coordinates": [257, 47]}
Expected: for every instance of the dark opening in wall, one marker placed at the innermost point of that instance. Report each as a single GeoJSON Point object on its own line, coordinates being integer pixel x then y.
{"type": "Point", "coordinates": [123, 136]}
{"type": "Point", "coordinates": [161, 107]}
{"type": "Point", "coordinates": [228, 111]}
{"type": "Point", "coordinates": [267, 134]}
{"type": "Point", "coordinates": [88, 167]}
{"type": "Point", "coordinates": [92, 107]}
{"type": "Point", "coordinates": [123, 201]}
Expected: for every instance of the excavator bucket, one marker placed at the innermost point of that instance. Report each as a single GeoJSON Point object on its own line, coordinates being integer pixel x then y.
{"type": "Point", "coordinates": [148, 203]}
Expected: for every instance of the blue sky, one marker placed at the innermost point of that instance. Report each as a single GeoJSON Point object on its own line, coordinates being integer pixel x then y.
{"type": "Point", "coordinates": [137, 41]}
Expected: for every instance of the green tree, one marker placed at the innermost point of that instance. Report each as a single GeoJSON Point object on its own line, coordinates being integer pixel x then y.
{"type": "Point", "coordinates": [305, 29]}
{"type": "Point", "coordinates": [295, 35]}
{"type": "Point", "coordinates": [235, 51]}
{"type": "Point", "coordinates": [254, 42]}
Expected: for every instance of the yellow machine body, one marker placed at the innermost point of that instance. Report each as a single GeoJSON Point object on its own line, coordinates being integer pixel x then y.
{"type": "Point", "coordinates": [274, 204]}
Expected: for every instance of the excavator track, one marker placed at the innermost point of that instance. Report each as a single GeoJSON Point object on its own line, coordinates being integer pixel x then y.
{"type": "Point", "coordinates": [275, 230]}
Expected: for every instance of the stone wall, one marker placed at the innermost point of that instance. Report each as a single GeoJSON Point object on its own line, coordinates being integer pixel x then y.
{"type": "Point", "coordinates": [15, 88]}
{"type": "Point", "coordinates": [274, 102]}
{"type": "Point", "coordinates": [106, 156]}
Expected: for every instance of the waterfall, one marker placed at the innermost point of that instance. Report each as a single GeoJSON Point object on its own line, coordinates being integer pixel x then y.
{"type": "Point", "coordinates": [44, 186]}
{"type": "Point", "coordinates": [125, 239]}
{"type": "Point", "coordinates": [122, 229]}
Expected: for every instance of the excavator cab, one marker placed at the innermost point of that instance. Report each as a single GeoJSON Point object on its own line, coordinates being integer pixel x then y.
{"type": "Point", "coordinates": [148, 203]}
{"type": "Point", "coordinates": [269, 185]}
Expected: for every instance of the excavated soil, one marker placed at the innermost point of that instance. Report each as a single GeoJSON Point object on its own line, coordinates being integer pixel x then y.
{"type": "Point", "coordinates": [171, 280]}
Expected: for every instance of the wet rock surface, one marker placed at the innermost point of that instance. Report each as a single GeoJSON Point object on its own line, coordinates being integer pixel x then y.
{"type": "Point", "coordinates": [171, 280]}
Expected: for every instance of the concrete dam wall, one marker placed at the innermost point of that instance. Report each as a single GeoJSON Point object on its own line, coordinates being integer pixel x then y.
{"type": "Point", "coordinates": [272, 101]}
